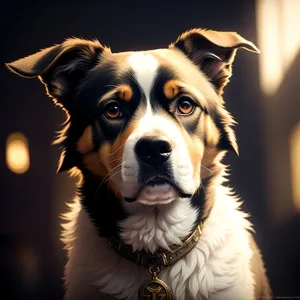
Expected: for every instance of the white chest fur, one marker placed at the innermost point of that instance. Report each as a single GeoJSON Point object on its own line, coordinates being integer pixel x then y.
{"type": "Point", "coordinates": [217, 268]}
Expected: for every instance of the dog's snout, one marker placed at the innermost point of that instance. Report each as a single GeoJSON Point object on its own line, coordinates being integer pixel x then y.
{"type": "Point", "coordinates": [153, 150]}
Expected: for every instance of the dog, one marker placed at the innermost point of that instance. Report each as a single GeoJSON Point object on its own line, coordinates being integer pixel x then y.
{"type": "Point", "coordinates": [146, 133]}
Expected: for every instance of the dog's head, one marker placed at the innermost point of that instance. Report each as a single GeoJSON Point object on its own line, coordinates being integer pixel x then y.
{"type": "Point", "coordinates": [150, 122]}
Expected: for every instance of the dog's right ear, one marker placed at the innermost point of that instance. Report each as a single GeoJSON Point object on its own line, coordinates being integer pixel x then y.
{"type": "Point", "coordinates": [61, 67]}
{"type": "Point", "coordinates": [213, 52]}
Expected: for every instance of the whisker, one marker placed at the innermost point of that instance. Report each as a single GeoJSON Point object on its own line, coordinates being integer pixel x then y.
{"type": "Point", "coordinates": [209, 170]}
{"type": "Point", "coordinates": [111, 161]}
{"type": "Point", "coordinates": [101, 160]}
{"type": "Point", "coordinates": [114, 174]}
{"type": "Point", "coordinates": [117, 166]}
{"type": "Point", "coordinates": [202, 166]}
{"type": "Point", "coordinates": [117, 185]}
{"type": "Point", "coordinates": [106, 178]}
{"type": "Point", "coordinates": [117, 149]}
{"type": "Point", "coordinates": [201, 184]}
{"type": "Point", "coordinates": [107, 175]}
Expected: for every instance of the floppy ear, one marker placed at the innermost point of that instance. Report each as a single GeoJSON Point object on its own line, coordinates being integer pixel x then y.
{"type": "Point", "coordinates": [213, 52]}
{"type": "Point", "coordinates": [61, 67]}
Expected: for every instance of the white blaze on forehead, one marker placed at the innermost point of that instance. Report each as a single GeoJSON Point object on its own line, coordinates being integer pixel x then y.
{"type": "Point", "coordinates": [145, 68]}
{"type": "Point", "coordinates": [151, 123]}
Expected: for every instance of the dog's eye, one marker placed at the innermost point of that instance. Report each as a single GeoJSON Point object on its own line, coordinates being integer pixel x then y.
{"type": "Point", "coordinates": [113, 111]}
{"type": "Point", "coordinates": [185, 106]}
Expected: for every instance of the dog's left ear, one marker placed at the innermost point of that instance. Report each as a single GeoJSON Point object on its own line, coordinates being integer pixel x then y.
{"type": "Point", "coordinates": [61, 67]}
{"type": "Point", "coordinates": [214, 52]}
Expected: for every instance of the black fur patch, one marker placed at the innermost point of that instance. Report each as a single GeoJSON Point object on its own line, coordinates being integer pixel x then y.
{"type": "Point", "coordinates": [158, 100]}
{"type": "Point", "coordinates": [201, 202]}
{"type": "Point", "coordinates": [103, 207]}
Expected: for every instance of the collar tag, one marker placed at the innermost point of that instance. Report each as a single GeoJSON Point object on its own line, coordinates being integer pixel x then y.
{"type": "Point", "coordinates": [155, 288]}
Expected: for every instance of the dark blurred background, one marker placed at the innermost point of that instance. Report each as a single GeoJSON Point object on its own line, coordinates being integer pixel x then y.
{"type": "Point", "coordinates": [263, 96]}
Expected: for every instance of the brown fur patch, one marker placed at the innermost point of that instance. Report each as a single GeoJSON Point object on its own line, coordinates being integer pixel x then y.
{"type": "Point", "coordinates": [208, 161]}
{"type": "Point", "coordinates": [196, 155]}
{"type": "Point", "coordinates": [85, 142]}
{"type": "Point", "coordinates": [92, 162]}
{"type": "Point", "coordinates": [212, 136]}
{"type": "Point", "coordinates": [96, 162]}
{"type": "Point", "coordinates": [125, 92]}
{"type": "Point", "coordinates": [114, 158]}
{"type": "Point", "coordinates": [203, 157]}
{"type": "Point", "coordinates": [212, 133]}
{"type": "Point", "coordinates": [107, 162]}
{"type": "Point", "coordinates": [171, 89]}
{"type": "Point", "coordinates": [195, 148]}
{"type": "Point", "coordinates": [210, 181]}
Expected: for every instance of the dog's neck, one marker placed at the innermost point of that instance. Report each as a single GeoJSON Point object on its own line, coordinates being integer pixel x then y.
{"type": "Point", "coordinates": [146, 227]}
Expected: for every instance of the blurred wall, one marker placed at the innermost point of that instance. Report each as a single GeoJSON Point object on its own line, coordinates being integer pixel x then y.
{"type": "Point", "coordinates": [31, 255]}
{"type": "Point", "coordinates": [279, 70]}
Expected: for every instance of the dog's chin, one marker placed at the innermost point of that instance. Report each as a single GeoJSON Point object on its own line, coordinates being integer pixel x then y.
{"type": "Point", "coordinates": [157, 194]}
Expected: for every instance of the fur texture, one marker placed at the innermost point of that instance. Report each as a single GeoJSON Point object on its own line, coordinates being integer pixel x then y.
{"type": "Point", "coordinates": [217, 268]}
{"type": "Point", "coordinates": [146, 132]}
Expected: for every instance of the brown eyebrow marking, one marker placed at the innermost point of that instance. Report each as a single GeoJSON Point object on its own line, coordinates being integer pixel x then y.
{"type": "Point", "coordinates": [172, 89]}
{"type": "Point", "coordinates": [123, 92]}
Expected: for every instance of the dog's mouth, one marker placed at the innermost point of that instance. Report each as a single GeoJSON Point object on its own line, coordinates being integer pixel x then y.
{"type": "Point", "coordinates": [158, 190]}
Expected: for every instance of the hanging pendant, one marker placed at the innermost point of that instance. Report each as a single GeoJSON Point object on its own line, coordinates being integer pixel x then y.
{"type": "Point", "coordinates": [155, 289]}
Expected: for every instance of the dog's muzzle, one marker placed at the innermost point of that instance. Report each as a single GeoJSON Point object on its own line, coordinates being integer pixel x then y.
{"type": "Point", "coordinates": [155, 172]}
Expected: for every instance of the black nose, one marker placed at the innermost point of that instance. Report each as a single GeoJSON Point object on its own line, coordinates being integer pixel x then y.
{"type": "Point", "coordinates": [153, 150]}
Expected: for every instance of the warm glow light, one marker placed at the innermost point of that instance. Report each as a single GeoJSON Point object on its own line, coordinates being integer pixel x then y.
{"type": "Point", "coordinates": [17, 153]}
{"type": "Point", "coordinates": [270, 64]}
{"type": "Point", "coordinates": [295, 164]}
{"type": "Point", "coordinates": [278, 40]}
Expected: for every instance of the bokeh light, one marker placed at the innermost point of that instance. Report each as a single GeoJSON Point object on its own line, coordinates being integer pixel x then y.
{"type": "Point", "coordinates": [17, 153]}
{"type": "Point", "coordinates": [295, 164]}
{"type": "Point", "coordinates": [278, 41]}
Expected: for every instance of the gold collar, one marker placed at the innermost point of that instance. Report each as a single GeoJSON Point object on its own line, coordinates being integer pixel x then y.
{"type": "Point", "coordinates": [159, 259]}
